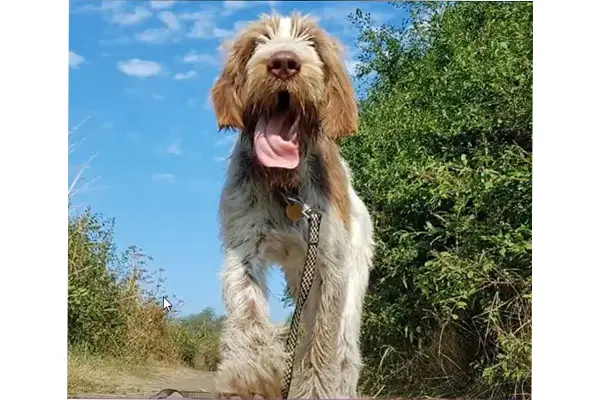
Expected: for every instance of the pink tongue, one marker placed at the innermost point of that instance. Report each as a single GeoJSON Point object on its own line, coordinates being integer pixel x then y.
{"type": "Point", "coordinates": [274, 143]}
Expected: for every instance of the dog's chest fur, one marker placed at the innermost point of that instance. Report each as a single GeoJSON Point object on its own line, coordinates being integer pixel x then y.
{"type": "Point", "coordinates": [253, 217]}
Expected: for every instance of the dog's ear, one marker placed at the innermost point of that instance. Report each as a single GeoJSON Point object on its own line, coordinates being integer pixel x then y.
{"type": "Point", "coordinates": [225, 94]}
{"type": "Point", "coordinates": [340, 112]}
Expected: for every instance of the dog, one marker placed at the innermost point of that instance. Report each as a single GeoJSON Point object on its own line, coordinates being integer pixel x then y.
{"type": "Point", "coordinates": [285, 89]}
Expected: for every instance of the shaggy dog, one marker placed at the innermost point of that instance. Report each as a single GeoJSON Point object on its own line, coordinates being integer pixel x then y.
{"type": "Point", "coordinates": [285, 89]}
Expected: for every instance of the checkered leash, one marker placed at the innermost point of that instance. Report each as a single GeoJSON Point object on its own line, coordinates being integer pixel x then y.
{"type": "Point", "coordinates": [314, 224]}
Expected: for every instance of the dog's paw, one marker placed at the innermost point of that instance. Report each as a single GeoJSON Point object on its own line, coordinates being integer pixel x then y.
{"type": "Point", "coordinates": [256, 377]}
{"type": "Point", "coordinates": [235, 396]}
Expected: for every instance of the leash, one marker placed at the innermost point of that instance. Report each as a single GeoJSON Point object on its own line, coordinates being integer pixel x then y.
{"type": "Point", "coordinates": [186, 394]}
{"type": "Point", "coordinates": [295, 210]}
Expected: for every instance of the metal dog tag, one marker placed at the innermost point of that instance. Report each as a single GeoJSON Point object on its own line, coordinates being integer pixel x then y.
{"type": "Point", "coordinates": [294, 211]}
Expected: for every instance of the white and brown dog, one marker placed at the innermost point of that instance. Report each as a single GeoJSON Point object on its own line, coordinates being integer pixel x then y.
{"type": "Point", "coordinates": [286, 90]}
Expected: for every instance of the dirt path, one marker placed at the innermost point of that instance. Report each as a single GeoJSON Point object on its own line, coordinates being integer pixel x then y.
{"type": "Point", "coordinates": [127, 384]}
{"type": "Point", "coordinates": [130, 383]}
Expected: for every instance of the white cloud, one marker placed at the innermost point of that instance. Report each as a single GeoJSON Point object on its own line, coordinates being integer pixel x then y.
{"type": "Point", "coordinates": [230, 7]}
{"type": "Point", "coordinates": [161, 35]}
{"type": "Point", "coordinates": [161, 5]}
{"type": "Point", "coordinates": [351, 66]}
{"type": "Point", "coordinates": [174, 148]}
{"type": "Point", "coordinates": [194, 57]}
{"type": "Point", "coordinates": [154, 35]}
{"type": "Point", "coordinates": [206, 30]}
{"type": "Point", "coordinates": [222, 33]}
{"type": "Point", "coordinates": [238, 25]}
{"type": "Point", "coordinates": [186, 75]}
{"type": "Point", "coordinates": [194, 16]}
{"type": "Point", "coordinates": [140, 14]}
{"type": "Point", "coordinates": [105, 5]}
{"type": "Point", "coordinates": [336, 13]}
{"type": "Point", "coordinates": [75, 59]}
{"type": "Point", "coordinates": [202, 28]}
{"type": "Point", "coordinates": [227, 139]}
{"type": "Point", "coordinates": [139, 68]}
{"type": "Point", "coordinates": [163, 177]}
{"type": "Point", "coordinates": [170, 20]}
{"type": "Point", "coordinates": [334, 18]}
{"type": "Point", "coordinates": [158, 97]}
{"type": "Point", "coordinates": [203, 25]}
{"type": "Point", "coordinates": [235, 5]}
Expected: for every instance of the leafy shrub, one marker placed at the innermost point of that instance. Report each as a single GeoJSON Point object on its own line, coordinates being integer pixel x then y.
{"type": "Point", "coordinates": [443, 161]}
{"type": "Point", "coordinates": [114, 304]}
{"type": "Point", "coordinates": [206, 330]}
{"type": "Point", "coordinates": [95, 323]}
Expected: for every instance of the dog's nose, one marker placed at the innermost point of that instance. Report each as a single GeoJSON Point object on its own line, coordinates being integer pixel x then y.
{"type": "Point", "coordinates": [284, 64]}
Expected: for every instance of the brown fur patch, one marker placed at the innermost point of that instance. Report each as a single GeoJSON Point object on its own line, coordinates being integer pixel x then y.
{"type": "Point", "coordinates": [335, 179]}
{"type": "Point", "coordinates": [227, 91]}
{"type": "Point", "coordinates": [339, 115]}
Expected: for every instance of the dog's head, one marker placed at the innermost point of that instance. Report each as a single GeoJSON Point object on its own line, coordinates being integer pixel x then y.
{"type": "Point", "coordinates": [284, 85]}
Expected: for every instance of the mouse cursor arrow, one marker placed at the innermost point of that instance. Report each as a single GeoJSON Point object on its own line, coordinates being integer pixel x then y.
{"type": "Point", "coordinates": [167, 306]}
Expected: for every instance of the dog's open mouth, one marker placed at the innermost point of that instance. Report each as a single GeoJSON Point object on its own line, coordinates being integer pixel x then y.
{"type": "Point", "coordinates": [276, 136]}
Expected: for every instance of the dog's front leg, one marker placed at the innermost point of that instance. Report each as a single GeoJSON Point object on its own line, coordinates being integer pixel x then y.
{"type": "Point", "coordinates": [251, 354]}
{"type": "Point", "coordinates": [319, 375]}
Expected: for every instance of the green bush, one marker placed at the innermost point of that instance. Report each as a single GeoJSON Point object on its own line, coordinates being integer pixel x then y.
{"type": "Point", "coordinates": [95, 323]}
{"type": "Point", "coordinates": [115, 309]}
{"type": "Point", "coordinates": [205, 329]}
{"type": "Point", "coordinates": [443, 161]}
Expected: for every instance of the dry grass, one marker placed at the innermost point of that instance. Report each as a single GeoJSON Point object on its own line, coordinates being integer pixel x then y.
{"type": "Point", "coordinates": [104, 375]}
{"type": "Point", "coordinates": [128, 345]}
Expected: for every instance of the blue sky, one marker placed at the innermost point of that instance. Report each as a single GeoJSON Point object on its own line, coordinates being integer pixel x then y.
{"type": "Point", "coordinates": [140, 76]}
